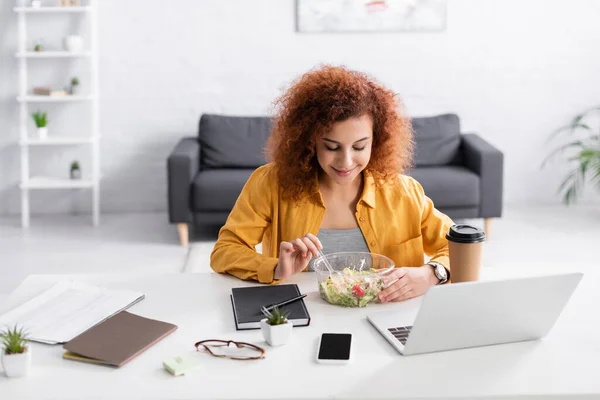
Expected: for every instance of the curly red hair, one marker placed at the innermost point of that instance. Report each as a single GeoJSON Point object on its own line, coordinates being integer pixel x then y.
{"type": "Point", "coordinates": [310, 107]}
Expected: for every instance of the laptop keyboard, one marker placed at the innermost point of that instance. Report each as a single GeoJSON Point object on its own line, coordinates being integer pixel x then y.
{"type": "Point", "coordinates": [401, 333]}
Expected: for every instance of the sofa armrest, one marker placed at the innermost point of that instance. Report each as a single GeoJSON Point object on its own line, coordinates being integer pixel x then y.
{"type": "Point", "coordinates": [182, 166]}
{"type": "Point", "coordinates": [487, 162]}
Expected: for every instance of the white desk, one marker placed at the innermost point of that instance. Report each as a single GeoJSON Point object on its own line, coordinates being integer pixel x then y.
{"type": "Point", "coordinates": [565, 364]}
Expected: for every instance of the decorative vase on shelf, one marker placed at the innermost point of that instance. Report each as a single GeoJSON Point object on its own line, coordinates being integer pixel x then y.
{"type": "Point", "coordinates": [73, 43]}
{"type": "Point", "coordinates": [41, 122]}
{"type": "Point", "coordinates": [74, 85]}
{"type": "Point", "coordinates": [42, 133]}
{"type": "Point", "coordinates": [36, 3]}
{"type": "Point", "coordinates": [75, 171]}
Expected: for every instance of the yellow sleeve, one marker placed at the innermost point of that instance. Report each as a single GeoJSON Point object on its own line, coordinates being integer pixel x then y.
{"type": "Point", "coordinates": [434, 226]}
{"type": "Point", "coordinates": [235, 253]}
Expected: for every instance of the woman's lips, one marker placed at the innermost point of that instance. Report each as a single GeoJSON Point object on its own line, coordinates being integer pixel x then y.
{"type": "Point", "coordinates": [343, 173]}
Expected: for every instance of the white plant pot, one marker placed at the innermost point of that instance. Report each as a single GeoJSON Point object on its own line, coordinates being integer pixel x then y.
{"type": "Point", "coordinates": [17, 365]}
{"type": "Point", "coordinates": [42, 132]}
{"type": "Point", "coordinates": [276, 335]}
{"type": "Point", "coordinates": [36, 3]}
{"type": "Point", "coordinates": [75, 174]}
{"type": "Point", "coordinates": [73, 43]}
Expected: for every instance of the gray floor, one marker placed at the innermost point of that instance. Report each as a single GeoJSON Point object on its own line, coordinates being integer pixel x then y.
{"type": "Point", "coordinates": [146, 243]}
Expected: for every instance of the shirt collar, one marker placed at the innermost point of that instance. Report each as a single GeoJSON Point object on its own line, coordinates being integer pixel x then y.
{"type": "Point", "coordinates": [367, 196]}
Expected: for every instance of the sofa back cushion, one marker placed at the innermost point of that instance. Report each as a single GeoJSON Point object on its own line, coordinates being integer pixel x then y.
{"type": "Point", "coordinates": [233, 142]}
{"type": "Point", "coordinates": [437, 139]}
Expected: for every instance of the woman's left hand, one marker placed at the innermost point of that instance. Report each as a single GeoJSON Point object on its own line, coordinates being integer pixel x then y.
{"type": "Point", "coordinates": [410, 282]}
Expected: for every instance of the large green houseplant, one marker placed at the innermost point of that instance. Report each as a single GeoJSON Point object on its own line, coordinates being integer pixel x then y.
{"type": "Point", "coordinates": [581, 149]}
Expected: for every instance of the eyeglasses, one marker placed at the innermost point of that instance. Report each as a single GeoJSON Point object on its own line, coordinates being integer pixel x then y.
{"type": "Point", "coordinates": [240, 350]}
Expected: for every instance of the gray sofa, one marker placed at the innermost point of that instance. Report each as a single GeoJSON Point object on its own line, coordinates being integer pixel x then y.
{"type": "Point", "coordinates": [461, 173]}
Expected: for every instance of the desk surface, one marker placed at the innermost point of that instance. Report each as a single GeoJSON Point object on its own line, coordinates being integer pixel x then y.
{"type": "Point", "coordinates": [565, 363]}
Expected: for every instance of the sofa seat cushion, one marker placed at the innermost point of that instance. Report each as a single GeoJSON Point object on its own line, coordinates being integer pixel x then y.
{"type": "Point", "coordinates": [437, 139]}
{"type": "Point", "coordinates": [449, 186]}
{"type": "Point", "coordinates": [218, 189]}
{"type": "Point", "coordinates": [235, 142]}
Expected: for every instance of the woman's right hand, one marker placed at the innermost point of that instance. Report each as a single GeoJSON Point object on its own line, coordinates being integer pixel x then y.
{"type": "Point", "coordinates": [295, 255]}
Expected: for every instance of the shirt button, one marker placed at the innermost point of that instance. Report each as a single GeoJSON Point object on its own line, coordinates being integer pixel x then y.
{"type": "Point", "coordinates": [373, 243]}
{"type": "Point", "coordinates": [362, 219]}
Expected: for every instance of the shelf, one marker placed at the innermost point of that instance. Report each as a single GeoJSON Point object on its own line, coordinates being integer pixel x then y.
{"type": "Point", "coordinates": [57, 141]}
{"type": "Point", "coordinates": [53, 54]}
{"type": "Point", "coordinates": [55, 183]}
{"type": "Point", "coordinates": [53, 99]}
{"type": "Point", "coordinates": [42, 10]}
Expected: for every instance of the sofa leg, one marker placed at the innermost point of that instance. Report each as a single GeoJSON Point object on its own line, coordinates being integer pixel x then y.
{"type": "Point", "coordinates": [184, 234]}
{"type": "Point", "coordinates": [488, 224]}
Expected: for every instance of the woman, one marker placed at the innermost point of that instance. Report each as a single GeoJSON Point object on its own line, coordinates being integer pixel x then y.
{"type": "Point", "coordinates": [338, 149]}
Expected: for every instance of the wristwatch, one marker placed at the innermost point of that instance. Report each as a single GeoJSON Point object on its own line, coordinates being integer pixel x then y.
{"type": "Point", "coordinates": [440, 272]}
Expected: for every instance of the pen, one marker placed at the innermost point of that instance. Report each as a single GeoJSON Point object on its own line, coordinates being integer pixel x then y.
{"type": "Point", "coordinates": [283, 303]}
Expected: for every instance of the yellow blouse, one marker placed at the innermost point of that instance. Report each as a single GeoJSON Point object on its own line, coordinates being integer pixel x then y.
{"type": "Point", "coordinates": [397, 220]}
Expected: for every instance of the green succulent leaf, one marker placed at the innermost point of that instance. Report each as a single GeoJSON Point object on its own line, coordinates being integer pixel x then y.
{"type": "Point", "coordinates": [277, 316]}
{"type": "Point", "coordinates": [14, 340]}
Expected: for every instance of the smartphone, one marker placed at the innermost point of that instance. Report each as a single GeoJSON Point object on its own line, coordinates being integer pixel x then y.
{"type": "Point", "coordinates": [334, 348]}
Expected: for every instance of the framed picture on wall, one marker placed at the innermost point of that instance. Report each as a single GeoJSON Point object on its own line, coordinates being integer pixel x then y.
{"type": "Point", "coordinates": [370, 15]}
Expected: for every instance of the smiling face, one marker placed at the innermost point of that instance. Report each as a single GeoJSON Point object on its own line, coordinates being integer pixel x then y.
{"type": "Point", "coordinates": [344, 152]}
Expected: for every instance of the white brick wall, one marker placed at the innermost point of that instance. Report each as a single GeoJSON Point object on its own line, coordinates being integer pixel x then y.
{"type": "Point", "coordinates": [512, 70]}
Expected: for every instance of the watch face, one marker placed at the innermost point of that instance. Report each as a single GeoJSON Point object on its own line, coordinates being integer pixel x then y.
{"type": "Point", "coordinates": [440, 271]}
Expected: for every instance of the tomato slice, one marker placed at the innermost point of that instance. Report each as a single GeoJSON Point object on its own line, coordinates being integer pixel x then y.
{"type": "Point", "coordinates": [358, 291]}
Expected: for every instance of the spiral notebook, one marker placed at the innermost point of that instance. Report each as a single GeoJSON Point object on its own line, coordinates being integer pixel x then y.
{"type": "Point", "coordinates": [247, 302]}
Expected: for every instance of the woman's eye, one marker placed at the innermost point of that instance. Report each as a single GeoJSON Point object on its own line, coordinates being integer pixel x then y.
{"type": "Point", "coordinates": [337, 148]}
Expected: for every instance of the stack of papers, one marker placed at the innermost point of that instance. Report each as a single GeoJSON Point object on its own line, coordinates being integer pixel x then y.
{"type": "Point", "coordinates": [66, 310]}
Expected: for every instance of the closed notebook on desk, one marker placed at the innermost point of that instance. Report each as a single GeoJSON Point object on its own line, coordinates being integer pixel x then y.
{"type": "Point", "coordinates": [117, 340]}
{"type": "Point", "coordinates": [247, 302]}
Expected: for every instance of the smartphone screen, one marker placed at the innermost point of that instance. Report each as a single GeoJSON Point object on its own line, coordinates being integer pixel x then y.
{"type": "Point", "coordinates": [335, 346]}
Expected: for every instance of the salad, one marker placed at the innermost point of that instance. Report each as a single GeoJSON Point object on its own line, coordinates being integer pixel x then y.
{"type": "Point", "coordinates": [351, 288]}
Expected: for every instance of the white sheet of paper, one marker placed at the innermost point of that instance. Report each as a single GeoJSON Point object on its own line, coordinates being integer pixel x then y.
{"type": "Point", "coordinates": [66, 310]}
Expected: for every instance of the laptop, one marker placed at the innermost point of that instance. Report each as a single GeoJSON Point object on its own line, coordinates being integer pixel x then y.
{"type": "Point", "coordinates": [472, 314]}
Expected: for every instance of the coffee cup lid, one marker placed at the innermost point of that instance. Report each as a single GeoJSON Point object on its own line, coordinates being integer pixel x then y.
{"type": "Point", "coordinates": [465, 234]}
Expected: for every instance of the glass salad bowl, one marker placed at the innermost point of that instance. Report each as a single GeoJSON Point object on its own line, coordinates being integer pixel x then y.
{"type": "Point", "coordinates": [351, 279]}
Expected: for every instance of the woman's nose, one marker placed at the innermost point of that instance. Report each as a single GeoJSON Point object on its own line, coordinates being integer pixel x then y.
{"type": "Point", "coordinates": [346, 161]}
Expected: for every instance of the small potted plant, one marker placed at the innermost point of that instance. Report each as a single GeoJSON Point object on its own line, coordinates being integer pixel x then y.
{"type": "Point", "coordinates": [74, 84]}
{"type": "Point", "coordinates": [75, 171]}
{"type": "Point", "coordinates": [41, 122]}
{"type": "Point", "coordinates": [38, 47]}
{"type": "Point", "coordinates": [16, 355]}
{"type": "Point", "coordinates": [276, 328]}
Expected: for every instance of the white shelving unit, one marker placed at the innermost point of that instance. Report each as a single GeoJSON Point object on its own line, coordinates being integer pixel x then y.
{"type": "Point", "coordinates": [24, 98]}
{"type": "Point", "coordinates": [53, 54]}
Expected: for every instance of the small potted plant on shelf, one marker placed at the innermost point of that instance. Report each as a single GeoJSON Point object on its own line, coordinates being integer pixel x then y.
{"type": "Point", "coordinates": [41, 123]}
{"type": "Point", "coordinates": [38, 47]}
{"type": "Point", "coordinates": [74, 84]}
{"type": "Point", "coordinates": [75, 171]}
{"type": "Point", "coordinates": [16, 354]}
{"type": "Point", "coordinates": [276, 328]}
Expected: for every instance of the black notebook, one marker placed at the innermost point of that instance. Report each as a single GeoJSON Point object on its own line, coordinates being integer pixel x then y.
{"type": "Point", "coordinates": [247, 301]}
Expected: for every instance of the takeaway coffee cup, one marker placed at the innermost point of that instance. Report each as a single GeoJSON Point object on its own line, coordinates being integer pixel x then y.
{"type": "Point", "coordinates": [465, 243]}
